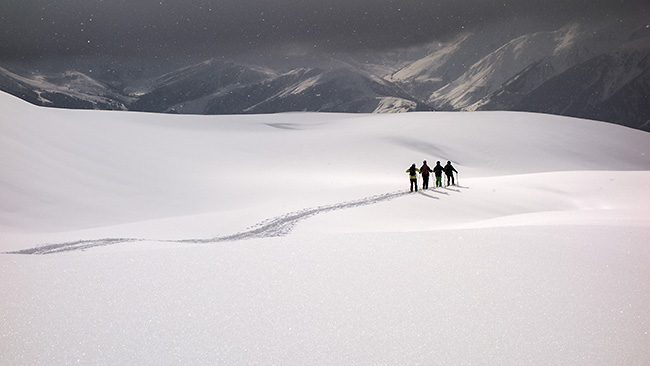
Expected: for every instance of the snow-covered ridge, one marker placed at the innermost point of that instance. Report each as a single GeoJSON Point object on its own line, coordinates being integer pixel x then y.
{"type": "Point", "coordinates": [495, 69]}
{"type": "Point", "coordinates": [71, 87]}
{"type": "Point", "coordinates": [426, 67]}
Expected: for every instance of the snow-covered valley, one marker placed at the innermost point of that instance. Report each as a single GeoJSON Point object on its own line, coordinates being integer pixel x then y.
{"type": "Point", "coordinates": [292, 239]}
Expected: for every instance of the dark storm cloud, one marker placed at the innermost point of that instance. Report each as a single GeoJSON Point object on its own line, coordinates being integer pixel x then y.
{"type": "Point", "coordinates": [37, 29]}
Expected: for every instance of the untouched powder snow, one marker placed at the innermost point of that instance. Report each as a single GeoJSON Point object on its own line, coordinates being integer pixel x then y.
{"type": "Point", "coordinates": [145, 239]}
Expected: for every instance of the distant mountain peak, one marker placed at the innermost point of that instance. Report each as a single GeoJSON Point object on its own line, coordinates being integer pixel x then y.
{"type": "Point", "coordinates": [520, 67]}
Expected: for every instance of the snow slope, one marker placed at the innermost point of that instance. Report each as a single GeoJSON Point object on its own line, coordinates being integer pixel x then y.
{"type": "Point", "coordinates": [291, 239]}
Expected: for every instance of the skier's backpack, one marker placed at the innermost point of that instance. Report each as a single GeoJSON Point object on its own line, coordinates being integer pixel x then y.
{"type": "Point", "coordinates": [412, 170]}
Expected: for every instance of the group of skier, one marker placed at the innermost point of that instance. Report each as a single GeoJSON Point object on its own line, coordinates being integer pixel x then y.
{"type": "Point", "coordinates": [425, 171]}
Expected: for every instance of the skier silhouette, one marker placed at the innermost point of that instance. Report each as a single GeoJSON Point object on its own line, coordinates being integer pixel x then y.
{"type": "Point", "coordinates": [425, 171]}
{"type": "Point", "coordinates": [413, 176]}
{"type": "Point", "coordinates": [449, 172]}
{"type": "Point", "coordinates": [437, 170]}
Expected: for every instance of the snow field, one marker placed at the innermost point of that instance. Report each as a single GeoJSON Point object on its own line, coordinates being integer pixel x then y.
{"type": "Point", "coordinates": [291, 239]}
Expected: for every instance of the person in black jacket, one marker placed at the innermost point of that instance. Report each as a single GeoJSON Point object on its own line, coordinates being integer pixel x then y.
{"type": "Point", "coordinates": [449, 172]}
{"type": "Point", "coordinates": [437, 170]}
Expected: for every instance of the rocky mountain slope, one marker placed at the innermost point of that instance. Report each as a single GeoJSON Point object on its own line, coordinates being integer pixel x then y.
{"type": "Point", "coordinates": [596, 71]}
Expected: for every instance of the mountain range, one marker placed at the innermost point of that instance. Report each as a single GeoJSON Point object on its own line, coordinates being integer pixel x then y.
{"type": "Point", "coordinates": [595, 71]}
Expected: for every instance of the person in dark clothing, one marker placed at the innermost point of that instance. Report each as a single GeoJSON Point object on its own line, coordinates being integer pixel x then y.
{"type": "Point", "coordinates": [449, 172]}
{"type": "Point", "coordinates": [437, 170]}
{"type": "Point", "coordinates": [413, 175]}
{"type": "Point", "coordinates": [425, 171]}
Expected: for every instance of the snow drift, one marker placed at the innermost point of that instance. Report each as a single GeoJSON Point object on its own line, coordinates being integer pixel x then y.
{"type": "Point", "coordinates": [292, 239]}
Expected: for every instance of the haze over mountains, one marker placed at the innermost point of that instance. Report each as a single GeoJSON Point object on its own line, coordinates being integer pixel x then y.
{"type": "Point", "coordinates": [595, 71]}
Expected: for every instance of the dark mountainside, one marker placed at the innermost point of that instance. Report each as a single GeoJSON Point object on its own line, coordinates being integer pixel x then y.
{"type": "Point", "coordinates": [596, 72]}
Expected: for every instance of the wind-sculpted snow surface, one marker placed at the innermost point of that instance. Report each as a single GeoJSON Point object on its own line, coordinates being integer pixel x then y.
{"type": "Point", "coordinates": [278, 226]}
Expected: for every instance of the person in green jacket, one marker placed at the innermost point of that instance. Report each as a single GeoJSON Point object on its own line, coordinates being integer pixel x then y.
{"type": "Point", "coordinates": [437, 170]}
{"type": "Point", "coordinates": [413, 175]}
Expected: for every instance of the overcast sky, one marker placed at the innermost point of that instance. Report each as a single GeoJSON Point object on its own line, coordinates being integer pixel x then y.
{"type": "Point", "coordinates": [42, 29]}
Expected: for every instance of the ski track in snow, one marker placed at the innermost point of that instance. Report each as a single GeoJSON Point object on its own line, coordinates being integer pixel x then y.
{"type": "Point", "coordinates": [275, 227]}
{"type": "Point", "coordinates": [74, 245]}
